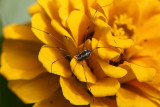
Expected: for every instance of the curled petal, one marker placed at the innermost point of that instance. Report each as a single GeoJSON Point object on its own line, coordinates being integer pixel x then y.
{"type": "Point", "coordinates": [74, 91]}
{"type": "Point", "coordinates": [104, 87]}
{"type": "Point", "coordinates": [66, 37]}
{"type": "Point", "coordinates": [63, 14]}
{"type": "Point", "coordinates": [102, 29]}
{"type": "Point", "coordinates": [78, 28]}
{"type": "Point", "coordinates": [112, 71]}
{"type": "Point", "coordinates": [78, 5]}
{"type": "Point", "coordinates": [99, 16]}
{"type": "Point", "coordinates": [129, 76]}
{"type": "Point", "coordinates": [52, 59]}
{"type": "Point", "coordinates": [122, 43]}
{"type": "Point", "coordinates": [42, 28]}
{"type": "Point", "coordinates": [107, 52]}
{"type": "Point", "coordinates": [93, 63]}
{"type": "Point", "coordinates": [82, 72]}
{"type": "Point", "coordinates": [51, 7]}
{"type": "Point", "coordinates": [57, 26]}
{"type": "Point", "coordinates": [106, 4]}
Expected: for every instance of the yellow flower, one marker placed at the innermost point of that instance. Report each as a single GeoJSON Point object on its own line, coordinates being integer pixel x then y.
{"type": "Point", "coordinates": [123, 69]}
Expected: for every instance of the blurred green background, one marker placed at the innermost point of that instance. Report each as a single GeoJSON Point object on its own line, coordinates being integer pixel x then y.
{"type": "Point", "coordinates": [11, 11]}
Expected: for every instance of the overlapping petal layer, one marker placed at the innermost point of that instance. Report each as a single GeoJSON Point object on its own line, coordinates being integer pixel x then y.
{"type": "Point", "coordinates": [35, 90]}
{"type": "Point", "coordinates": [74, 91]}
{"type": "Point", "coordinates": [135, 98]}
{"type": "Point", "coordinates": [104, 87]}
{"type": "Point", "coordinates": [54, 61]}
{"type": "Point", "coordinates": [55, 100]}
{"type": "Point", "coordinates": [17, 56]}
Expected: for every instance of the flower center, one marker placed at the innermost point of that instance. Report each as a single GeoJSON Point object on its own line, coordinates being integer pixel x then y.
{"type": "Point", "coordinates": [122, 27]}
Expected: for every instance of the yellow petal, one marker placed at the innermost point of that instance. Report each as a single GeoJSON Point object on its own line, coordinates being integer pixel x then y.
{"type": "Point", "coordinates": [20, 32]}
{"type": "Point", "coordinates": [34, 8]}
{"type": "Point", "coordinates": [129, 76]}
{"type": "Point", "coordinates": [148, 8]}
{"type": "Point", "coordinates": [156, 81]}
{"type": "Point", "coordinates": [35, 90]}
{"type": "Point", "coordinates": [93, 63]}
{"type": "Point", "coordinates": [104, 51]}
{"type": "Point", "coordinates": [127, 97]}
{"type": "Point", "coordinates": [152, 25]}
{"type": "Point", "coordinates": [102, 29]}
{"type": "Point", "coordinates": [104, 102]}
{"type": "Point", "coordinates": [146, 61]}
{"type": "Point", "coordinates": [74, 91]}
{"type": "Point", "coordinates": [91, 2]}
{"type": "Point", "coordinates": [55, 100]}
{"type": "Point", "coordinates": [49, 55]}
{"type": "Point", "coordinates": [86, 45]}
{"type": "Point", "coordinates": [107, 52]}
{"type": "Point", "coordinates": [41, 24]}
{"type": "Point", "coordinates": [105, 3]}
{"type": "Point", "coordinates": [51, 7]}
{"type": "Point", "coordinates": [146, 89]}
{"type": "Point", "coordinates": [66, 37]}
{"type": "Point", "coordinates": [122, 43]}
{"type": "Point", "coordinates": [143, 74]}
{"type": "Point", "coordinates": [63, 14]}
{"type": "Point", "coordinates": [112, 71]}
{"type": "Point", "coordinates": [83, 74]}
{"type": "Point", "coordinates": [57, 26]}
{"type": "Point", "coordinates": [104, 87]}
{"type": "Point", "coordinates": [78, 4]}
{"type": "Point", "coordinates": [94, 44]}
{"type": "Point", "coordinates": [99, 16]}
{"type": "Point", "coordinates": [19, 59]}
{"type": "Point", "coordinates": [150, 47]}
{"type": "Point", "coordinates": [78, 28]}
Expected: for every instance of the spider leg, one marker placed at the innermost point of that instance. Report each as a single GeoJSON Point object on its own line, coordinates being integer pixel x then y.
{"type": "Point", "coordinates": [86, 78]}
{"type": "Point", "coordinates": [58, 60]}
{"type": "Point", "coordinates": [75, 66]}
{"type": "Point", "coordinates": [106, 47]}
{"type": "Point", "coordinates": [46, 46]}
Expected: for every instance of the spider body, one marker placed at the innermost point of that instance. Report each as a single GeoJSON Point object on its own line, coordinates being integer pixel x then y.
{"type": "Point", "coordinates": [83, 55]}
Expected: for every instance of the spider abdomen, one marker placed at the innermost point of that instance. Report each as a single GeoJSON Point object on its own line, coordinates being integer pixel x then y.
{"type": "Point", "coordinates": [83, 55]}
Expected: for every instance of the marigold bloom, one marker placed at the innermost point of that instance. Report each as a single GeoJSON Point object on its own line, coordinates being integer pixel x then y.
{"type": "Point", "coordinates": [122, 72]}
